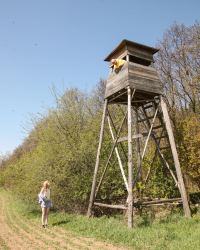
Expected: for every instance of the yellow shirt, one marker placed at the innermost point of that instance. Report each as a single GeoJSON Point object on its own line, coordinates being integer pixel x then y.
{"type": "Point", "coordinates": [120, 62]}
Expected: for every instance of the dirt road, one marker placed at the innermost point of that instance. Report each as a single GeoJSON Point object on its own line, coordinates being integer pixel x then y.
{"type": "Point", "coordinates": [18, 232]}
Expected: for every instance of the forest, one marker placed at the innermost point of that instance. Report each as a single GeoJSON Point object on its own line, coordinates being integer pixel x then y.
{"type": "Point", "coordinates": [62, 143]}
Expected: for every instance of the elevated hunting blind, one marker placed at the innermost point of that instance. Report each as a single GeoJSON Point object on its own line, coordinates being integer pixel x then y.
{"type": "Point", "coordinates": [137, 72]}
{"type": "Point", "coordinates": [137, 86]}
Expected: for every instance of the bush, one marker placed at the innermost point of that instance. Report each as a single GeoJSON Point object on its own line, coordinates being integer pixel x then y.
{"type": "Point", "coordinates": [194, 197]}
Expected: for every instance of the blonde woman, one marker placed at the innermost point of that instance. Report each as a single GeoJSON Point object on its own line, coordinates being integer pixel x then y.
{"type": "Point", "coordinates": [47, 203]}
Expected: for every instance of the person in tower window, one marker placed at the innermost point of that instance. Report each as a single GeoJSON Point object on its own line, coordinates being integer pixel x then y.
{"type": "Point", "coordinates": [117, 63]}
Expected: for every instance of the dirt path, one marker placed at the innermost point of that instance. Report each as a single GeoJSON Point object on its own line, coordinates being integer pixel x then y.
{"type": "Point", "coordinates": [16, 233]}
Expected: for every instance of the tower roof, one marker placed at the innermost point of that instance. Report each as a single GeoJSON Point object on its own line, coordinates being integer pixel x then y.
{"type": "Point", "coordinates": [138, 46]}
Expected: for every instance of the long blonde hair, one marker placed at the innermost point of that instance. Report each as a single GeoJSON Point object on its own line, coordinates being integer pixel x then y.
{"type": "Point", "coordinates": [44, 187]}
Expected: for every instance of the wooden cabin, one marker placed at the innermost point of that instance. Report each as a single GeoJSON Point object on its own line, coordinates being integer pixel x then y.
{"type": "Point", "coordinates": [138, 73]}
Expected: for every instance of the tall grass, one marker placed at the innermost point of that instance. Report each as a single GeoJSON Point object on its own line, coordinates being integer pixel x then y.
{"type": "Point", "coordinates": [172, 231]}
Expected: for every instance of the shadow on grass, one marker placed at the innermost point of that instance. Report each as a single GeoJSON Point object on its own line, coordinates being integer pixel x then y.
{"type": "Point", "coordinates": [144, 223]}
{"type": "Point", "coordinates": [37, 211]}
{"type": "Point", "coordinates": [62, 222]}
{"type": "Point", "coordinates": [32, 212]}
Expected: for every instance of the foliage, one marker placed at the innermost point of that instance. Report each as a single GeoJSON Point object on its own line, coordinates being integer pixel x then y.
{"type": "Point", "coordinates": [194, 197]}
{"type": "Point", "coordinates": [62, 143]}
{"type": "Point", "coordinates": [2, 182]}
{"type": "Point", "coordinates": [161, 184]}
{"type": "Point", "coordinates": [178, 65]}
{"type": "Point", "coordinates": [67, 139]}
{"type": "Point", "coordinates": [189, 148]}
{"type": "Point", "coordinates": [62, 148]}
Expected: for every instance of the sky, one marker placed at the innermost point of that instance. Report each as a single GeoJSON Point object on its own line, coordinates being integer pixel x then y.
{"type": "Point", "coordinates": [65, 42]}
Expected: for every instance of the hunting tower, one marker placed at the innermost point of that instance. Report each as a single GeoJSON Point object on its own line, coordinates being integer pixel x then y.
{"type": "Point", "coordinates": [137, 86]}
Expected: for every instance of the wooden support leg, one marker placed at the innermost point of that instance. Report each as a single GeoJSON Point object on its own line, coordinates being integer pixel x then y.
{"type": "Point", "coordinates": [97, 161]}
{"type": "Point", "coordinates": [161, 155]}
{"type": "Point", "coordinates": [176, 160]}
{"type": "Point", "coordinates": [130, 164]}
{"type": "Point", "coordinates": [114, 144]}
{"type": "Point", "coordinates": [118, 157]}
{"type": "Point", "coordinates": [138, 149]}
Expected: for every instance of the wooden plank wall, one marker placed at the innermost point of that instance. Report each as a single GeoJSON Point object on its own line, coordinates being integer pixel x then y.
{"type": "Point", "coordinates": [117, 81]}
{"type": "Point", "coordinates": [144, 78]}
{"type": "Point", "coordinates": [139, 52]}
{"type": "Point", "coordinates": [136, 76]}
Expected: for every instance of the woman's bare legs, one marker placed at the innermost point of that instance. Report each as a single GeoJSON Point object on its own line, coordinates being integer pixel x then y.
{"type": "Point", "coordinates": [43, 215]}
{"type": "Point", "coordinates": [47, 214]}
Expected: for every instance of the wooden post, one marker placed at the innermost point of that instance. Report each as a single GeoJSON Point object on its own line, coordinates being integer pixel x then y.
{"type": "Point", "coordinates": [97, 161]}
{"type": "Point", "coordinates": [127, 58]}
{"type": "Point", "coordinates": [130, 164]}
{"type": "Point", "coordinates": [176, 160]}
{"type": "Point", "coordinates": [138, 143]}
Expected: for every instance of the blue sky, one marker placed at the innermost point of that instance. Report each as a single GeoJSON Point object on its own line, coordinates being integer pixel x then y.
{"type": "Point", "coordinates": [44, 42]}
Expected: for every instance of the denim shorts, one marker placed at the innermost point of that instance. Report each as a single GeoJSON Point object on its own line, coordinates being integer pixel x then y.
{"type": "Point", "coordinates": [47, 204]}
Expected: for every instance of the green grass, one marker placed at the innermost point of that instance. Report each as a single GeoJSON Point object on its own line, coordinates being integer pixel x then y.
{"type": "Point", "coordinates": [172, 231]}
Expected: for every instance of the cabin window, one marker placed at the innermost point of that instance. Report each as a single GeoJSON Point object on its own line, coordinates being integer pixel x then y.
{"type": "Point", "coordinates": [138, 60]}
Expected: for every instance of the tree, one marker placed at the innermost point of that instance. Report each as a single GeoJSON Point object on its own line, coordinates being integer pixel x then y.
{"type": "Point", "coordinates": [178, 65]}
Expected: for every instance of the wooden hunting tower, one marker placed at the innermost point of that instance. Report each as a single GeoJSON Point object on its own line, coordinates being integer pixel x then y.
{"type": "Point", "coordinates": [136, 73]}
{"type": "Point", "coordinates": [136, 84]}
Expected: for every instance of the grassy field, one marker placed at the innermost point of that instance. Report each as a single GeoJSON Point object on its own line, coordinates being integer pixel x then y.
{"type": "Point", "coordinates": [68, 231]}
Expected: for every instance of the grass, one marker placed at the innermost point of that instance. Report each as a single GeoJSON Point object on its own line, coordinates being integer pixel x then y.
{"type": "Point", "coordinates": [170, 231]}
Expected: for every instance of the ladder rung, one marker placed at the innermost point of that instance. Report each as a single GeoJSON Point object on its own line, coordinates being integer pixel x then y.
{"type": "Point", "coordinates": [164, 136]}
{"type": "Point", "coordinates": [147, 107]}
{"type": "Point", "coordinates": [135, 136]}
{"type": "Point", "coordinates": [110, 206]}
{"type": "Point", "coordinates": [147, 102]}
{"type": "Point", "coordinates": [150, 117]}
